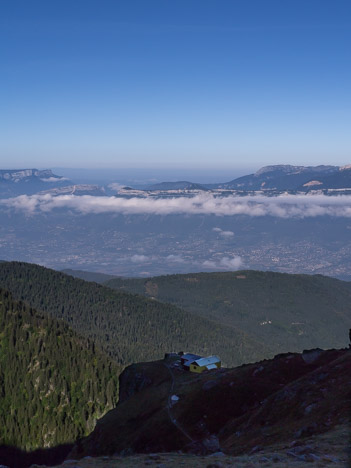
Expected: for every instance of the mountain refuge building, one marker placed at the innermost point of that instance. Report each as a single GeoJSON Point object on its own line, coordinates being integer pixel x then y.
{"type": "Point", "coordinates": [205, 363]}
{"type": "Point", "coordinates": [187, 359]}
{"type": "Point", "coordinates": [198, 364]}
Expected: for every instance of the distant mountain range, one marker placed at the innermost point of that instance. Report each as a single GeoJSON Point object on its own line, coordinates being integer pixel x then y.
{"type": "Point", "coordinates": [28, 175]}
{"type": "Point", "coordinates": [293, 178]}
{"type": "Point", "coordinates": [268, 180]}
{"type": "Point", "coordinates": [181, 185]}
{"type": "Point", "coordinates": [80, 189]}
{"type": "Point", "coordinates": [31, 181]}
{"type": "Point", "coordinates": [275, 179]}
{"type": "Point", "coordinates": [28, 181]}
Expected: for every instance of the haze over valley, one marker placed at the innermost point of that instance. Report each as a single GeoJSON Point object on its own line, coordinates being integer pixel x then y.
{"type": "Point", "coordinates": [281, 218]}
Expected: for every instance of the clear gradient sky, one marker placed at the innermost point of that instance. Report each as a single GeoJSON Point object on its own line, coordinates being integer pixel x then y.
{"type": "Point", "coordinates": [165, 83]}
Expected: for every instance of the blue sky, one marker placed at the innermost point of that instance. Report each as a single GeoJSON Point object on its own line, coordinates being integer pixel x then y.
{"type": "Point", "coordinates": [174, 83]}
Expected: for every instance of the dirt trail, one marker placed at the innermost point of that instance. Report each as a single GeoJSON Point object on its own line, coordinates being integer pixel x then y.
{"type": "Point", "coordinates": [169, 406]}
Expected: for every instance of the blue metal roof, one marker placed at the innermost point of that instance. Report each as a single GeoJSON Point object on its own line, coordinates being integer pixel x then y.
{"type": "Point", "coordinates": [207, 361]}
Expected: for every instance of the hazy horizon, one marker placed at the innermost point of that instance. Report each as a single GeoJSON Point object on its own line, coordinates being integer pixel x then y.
{"type": "Point", "coordinates": [141, 176]}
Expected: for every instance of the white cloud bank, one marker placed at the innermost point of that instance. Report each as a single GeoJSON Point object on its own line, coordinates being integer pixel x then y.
{"type": "Point", "coordinates": [284, 206]}
{"type": "Point", "coordinates": [115, 186]}
{"type": "Point", "coordinates": [227, 234]}
{"type": "Point", "coordinates": [225, 263]}
{"type": "Point", "coordinates": [54, 179]}
{"type": "Point", "coordinates": [223, 233]}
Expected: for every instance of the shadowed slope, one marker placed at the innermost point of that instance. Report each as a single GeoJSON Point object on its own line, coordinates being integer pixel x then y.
{"type": "Point", "coordinates": [272, 402]}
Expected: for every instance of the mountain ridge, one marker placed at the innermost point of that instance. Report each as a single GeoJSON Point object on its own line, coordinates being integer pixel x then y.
{"type": "Point", "coordinates": [14, 182]}
{"type": "Point", "coordinates": [15, 175]}
{"type": "Point", "coordinates": [179, 185]}
{"type": "Point", "coordinates": [288, 178]}
{"type": "Point", "coordinates": [276, 178]}
{"type": "Point", "coordinates": [268, 179]}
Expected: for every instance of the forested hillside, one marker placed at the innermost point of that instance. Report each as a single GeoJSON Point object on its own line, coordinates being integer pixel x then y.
{"type": "Point", "coordinates": [291, 312]}
{"type": "Point", "coordinates": [130, 328]}
{"type": "Point", "coordinates": [53, 383]}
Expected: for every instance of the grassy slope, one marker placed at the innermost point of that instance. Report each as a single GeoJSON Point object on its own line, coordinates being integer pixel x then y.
{"type": "Point", "coordinates": [54, 384]}
{"type": "Point", "coordinates": [305, 311]}
{"type": "Point", "coordinates": [130, 328]}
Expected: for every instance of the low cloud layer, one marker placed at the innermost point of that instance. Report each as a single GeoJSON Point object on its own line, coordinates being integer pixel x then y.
{"type": "Point", "coordinates": [54, 179]}
{"type": "Point", "coordinates": [115, 186]}
{"type": "Point", "coordinates": [226, 233]}
{"type": "Point", "coordinates": [223, 233]}
{"type": "Point", "coordinates": [284, 206]}
{"type": "Point", "coordinates": [225, 263]}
